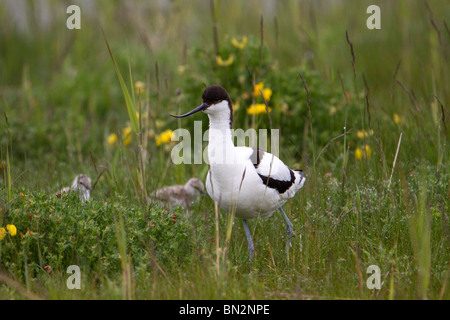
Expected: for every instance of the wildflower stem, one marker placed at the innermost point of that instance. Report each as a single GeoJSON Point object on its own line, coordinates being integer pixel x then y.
{"type": "Point", "coordinates": [262, 37]}
{"type": "Point", "coordinates": [216, 211]}
{"type": "Point", "coordinates": [8, 164]}
{"type": "Point", "coordinates": [214, 18]}
{"type": "Point", "coordinates": [141, 154]}
{"type": "Point", "coordinates": [352, 52]}
{"type": "Point", "coordinates": [267, 109]}
{"type": "Point", "coordinates": [330, 141]}
{"type": "Point", "coordinates": [154, 261]}
{"type": "Point", "coordinates": [309, 116]}
{"type": "Point", "coordinates": [395, 160]}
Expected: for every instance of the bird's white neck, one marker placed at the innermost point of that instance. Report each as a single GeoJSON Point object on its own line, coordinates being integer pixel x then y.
{"type": "Point", "coordinates": [219, 122]}
{"type": "Point", "coordinates": [220, 147]}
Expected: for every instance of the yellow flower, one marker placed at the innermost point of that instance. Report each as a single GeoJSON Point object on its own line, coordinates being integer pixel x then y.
{"type": "Point", "coordinates": [158, 140]}
{"type": "Point", "coordinates": [139, 87]}
{"type": "Point", "coordinates": [257, 88]}
{"type": "Point", "coordinates": [365, 152]}
{"type": "Point", "coordinates": [358, 154]}
{"type": "Point", "coordinates": [224, 63]}
{"type": "Point", "coordinates": [164, 137]}
{"type": "Point", "coordinates": [2, 233]}
{"type": "Point", "coordinates": [396, 118]}
{"type": "Point", "coordinates": [361, 134]}
{"type": "Point", "coordinates": [112, 139]}
{"type": "Point", "coordinates": [126, 132]}
{"type": "Point", "coordinates": [267, 93]}
{"type": "Point", "coordinates": [240, 45]}
{"type": "Point", "coordinates": [12, 229]}
{"type": "Point", "coordinates": [257, 108]}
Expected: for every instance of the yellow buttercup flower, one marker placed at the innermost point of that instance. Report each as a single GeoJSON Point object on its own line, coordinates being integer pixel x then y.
{"type": "Point", "coordinates": [361, 134]}
{"type": "Point", "coordinates": [224, 63]}
{"type": "Point", "coordinates": [364, 152]}
{"type": "Point", "coordinates": [257, 88]}
{"type": "Point", "coordinates": [267, 93]}
{"type": "Point", "coordinates": [12, 229]}
{"type": "Point", "coordinates": [358, 154]}
{"type": "Point", "coordinates": [127, 136]}
{"type": "Point", "coordinates": [2, 233]}
{"type": "Point", "coordinates": [239, 44]}
{"type": "Point", "coordinates": [164, 137]}
{"type": "Point", "coordinates": [257, 108]}
{"type": "Point", "coordinates": [396, 118]}
{"type": "Point", "coordinates": [112, 139]}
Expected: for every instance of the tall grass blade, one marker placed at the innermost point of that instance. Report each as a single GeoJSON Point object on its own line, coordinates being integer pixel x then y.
{"type": "Point", "coordinates": [126, 94]}
{"type": "Point", "coordinates": [8, 175]}
{"type": "Point", "coordinates": [124, 257]}
{"type": "Point", "coordinates": [420, 235]}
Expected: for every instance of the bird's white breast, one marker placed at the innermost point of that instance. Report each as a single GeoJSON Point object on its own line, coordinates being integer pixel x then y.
{"type": "Point", "coordinates": [237, 186]}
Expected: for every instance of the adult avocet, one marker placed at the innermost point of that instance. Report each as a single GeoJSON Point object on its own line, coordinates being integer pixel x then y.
{"type": "Point", "coordinates": [250, 181]}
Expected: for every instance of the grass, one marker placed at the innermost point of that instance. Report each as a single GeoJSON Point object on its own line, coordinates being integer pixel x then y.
{"type": "Point", "coordinates": [363, 112]}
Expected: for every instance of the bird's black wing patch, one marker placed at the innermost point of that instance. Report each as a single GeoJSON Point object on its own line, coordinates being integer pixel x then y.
{"type": "Point", "coordinates": [280, 185]}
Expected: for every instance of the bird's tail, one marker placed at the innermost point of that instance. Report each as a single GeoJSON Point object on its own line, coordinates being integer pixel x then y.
{"type": "Point", "coordinates": [299, 178]}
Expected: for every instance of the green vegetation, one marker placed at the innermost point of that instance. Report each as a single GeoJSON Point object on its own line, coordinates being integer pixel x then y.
{"type": "Point", "coordinates": [363, 112]}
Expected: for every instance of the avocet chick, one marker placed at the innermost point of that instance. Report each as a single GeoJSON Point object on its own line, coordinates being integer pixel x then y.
{"type": "Point", "coordinates": [181, 195]}
{"type": "Point", "coordinates": [82, 185]}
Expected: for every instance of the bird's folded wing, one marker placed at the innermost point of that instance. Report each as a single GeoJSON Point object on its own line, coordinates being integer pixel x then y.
{"type": "Point", "coordinates": [268, 165]}
{"type": "Point", "coordinates": [272, 171]}
{"type": "Point", "coordinates": [170, 192]}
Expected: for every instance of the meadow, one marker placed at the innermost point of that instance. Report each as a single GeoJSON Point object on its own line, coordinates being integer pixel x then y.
{"type": "Point", "coordinates": [364, 112]}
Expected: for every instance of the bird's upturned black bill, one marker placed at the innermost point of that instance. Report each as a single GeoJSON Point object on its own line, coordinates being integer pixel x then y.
{"type": "Point", "coordinates": [199, 108]}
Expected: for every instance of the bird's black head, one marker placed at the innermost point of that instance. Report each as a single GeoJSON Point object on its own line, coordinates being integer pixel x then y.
{"type": "Point", "coordinates": [211, 96]}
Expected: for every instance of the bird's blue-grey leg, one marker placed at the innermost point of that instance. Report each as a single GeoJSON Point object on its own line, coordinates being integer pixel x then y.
{"type": "Point", "coordinates": [289, 225]}
{"type": "Point", "coordinates": [251, 248]}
